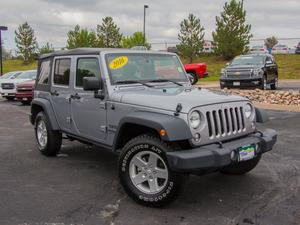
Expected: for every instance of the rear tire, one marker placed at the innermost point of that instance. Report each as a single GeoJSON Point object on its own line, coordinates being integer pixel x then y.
{"type": "Point", "coordinates": [144, 172]}
{"type": "Point", "coordinates": [48, 141]}
{"type": "Point", "coordinates": [242, 167]}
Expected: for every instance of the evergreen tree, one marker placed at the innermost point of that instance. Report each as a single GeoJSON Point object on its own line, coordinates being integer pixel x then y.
{"type": "Point", "coordinates": [136, 39]}
{"type": "Point", "coordinates": [47, 48]}
{"type": "Point", "coordinates": [108, 34]}
{"type": "Point", "coordinates": [191, 37]}
{"type": "Point", "coordinates": [232, 34]}
{"type": "Point", "coordinates": [79, 38]}
{"type": "Point", "coordinates": [26, 41]}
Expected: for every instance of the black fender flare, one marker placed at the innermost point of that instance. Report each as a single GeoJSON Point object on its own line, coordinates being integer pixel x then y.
{"type": "Point", "coordinates": [261, 115]}
{"type": "Point", "coordinates": [176, 128]}
{"type": "Point", "coordinates": [48, 110]}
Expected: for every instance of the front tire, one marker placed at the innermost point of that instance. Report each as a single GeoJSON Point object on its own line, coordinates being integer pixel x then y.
{"type": "Point", "coordinates": [144, 172]}
{"type": "Point", "coordinates": [263, 83]}
{"type": "Point", "coordinates": [10, 98]}
{"type": "Point", "coordinates": [242, 167]}
{"type": "Point", "coordinates": [48, 141]}
{"type": "Point", "coordinates": [274, 85]}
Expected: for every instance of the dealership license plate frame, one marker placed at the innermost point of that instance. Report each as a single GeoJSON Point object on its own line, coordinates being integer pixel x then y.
{"type": "Point", "coordinates": [247, 152]}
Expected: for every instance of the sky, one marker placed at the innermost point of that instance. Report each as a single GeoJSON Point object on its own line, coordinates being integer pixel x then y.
{"type": "Point", "coordinates": [52, 19]}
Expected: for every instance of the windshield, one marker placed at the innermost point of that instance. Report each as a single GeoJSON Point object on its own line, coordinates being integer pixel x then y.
{"type": "Point", "coordinates": [248, 60]}
{"type": "Point", "coordinates": [27, 75]}
{"type": "Point", "coordinates": [144, 67]}
{"type": "Point", "coordinates": [10, 75]}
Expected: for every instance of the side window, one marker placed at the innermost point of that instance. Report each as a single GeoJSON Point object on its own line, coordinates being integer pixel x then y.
{"type": "Point", "coordinates": [86, 67]}
{"type": "Point", "coordinates": [44, 72]}
{"type": "Point", "coordinates": [62, 72]}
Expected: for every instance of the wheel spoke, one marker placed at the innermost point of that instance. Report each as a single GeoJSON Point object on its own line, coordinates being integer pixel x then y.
{"type": "Point", "coordinates": [139, 178]}
{"type": "Point", "coordinates": [161, 173]}
{"type": "Point", "coordinates": [153, 185]}
{"type": "Point", "coordinates": [139, 162]}
{"type": "Point", "coordinates": [152, 160]}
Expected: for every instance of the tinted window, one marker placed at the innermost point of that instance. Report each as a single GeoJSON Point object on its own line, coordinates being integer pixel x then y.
{"type": "Point", "coordinates": [44, 72]}
{"type": "Point", "coordinates": [62, 71]}
{"type": "Point", "coordinates": [86, 67]}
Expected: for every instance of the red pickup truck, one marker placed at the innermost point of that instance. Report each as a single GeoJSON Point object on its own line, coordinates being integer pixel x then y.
{"type": "Point", "coordinates": [197, 70]}
{"type": "Point", "coordinates": [24, 92]}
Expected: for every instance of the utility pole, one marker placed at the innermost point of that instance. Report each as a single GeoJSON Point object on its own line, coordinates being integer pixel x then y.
{"type": "Point", "coordinates": [2, 28]}
{"type": "Point", "coordinates": [144, 28]}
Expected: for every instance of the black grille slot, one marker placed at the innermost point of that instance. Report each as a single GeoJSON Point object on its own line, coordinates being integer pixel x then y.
{"type": "Point", "coordinates": [209, 124]}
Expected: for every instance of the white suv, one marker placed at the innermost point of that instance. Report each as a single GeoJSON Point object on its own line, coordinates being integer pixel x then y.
{"type": "Point", "coordinates": [8, 87]}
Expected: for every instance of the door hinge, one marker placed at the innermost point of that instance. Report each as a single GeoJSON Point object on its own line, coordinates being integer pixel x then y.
{"type": "Point", "coordinates": [69, 119]}
{"type": "Point", "coordinates": [103, 128]}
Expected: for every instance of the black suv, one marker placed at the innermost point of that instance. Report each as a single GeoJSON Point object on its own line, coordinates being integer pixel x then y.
{"type": "Point", "coordinates": [254, 70]}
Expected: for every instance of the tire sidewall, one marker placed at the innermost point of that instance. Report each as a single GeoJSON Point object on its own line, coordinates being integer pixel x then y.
{"type": "Point", "coordinates": [124, 163]}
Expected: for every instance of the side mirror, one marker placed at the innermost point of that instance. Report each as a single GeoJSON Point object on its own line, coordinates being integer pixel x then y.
{"type": "Point", "coordinates": [192, 79]}
{"type": "Point", "coordinates": [91, 84]}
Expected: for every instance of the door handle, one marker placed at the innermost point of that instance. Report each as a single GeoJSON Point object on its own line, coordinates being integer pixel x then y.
{"type": "Point", "coordinates": [54, 93]}
{"type": "Point", "coordinates": [76, 96]}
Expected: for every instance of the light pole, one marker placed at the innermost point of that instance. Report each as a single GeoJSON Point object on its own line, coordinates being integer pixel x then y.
{"type": "Point", "coordinates": [2, 28]}
{"type": "Point", "coordinates": [144, 28]}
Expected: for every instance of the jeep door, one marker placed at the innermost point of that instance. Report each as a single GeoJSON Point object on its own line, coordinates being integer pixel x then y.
{"type": "Point", "coordinates": [60, 91]}
{"type": "Point", "coordinates": [271, 69]}
{"type": "Point", "coordinates": [88, 112]}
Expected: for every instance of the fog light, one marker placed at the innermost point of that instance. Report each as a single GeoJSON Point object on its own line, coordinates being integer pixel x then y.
{"type": "Point", "coordinates": [197, 137]}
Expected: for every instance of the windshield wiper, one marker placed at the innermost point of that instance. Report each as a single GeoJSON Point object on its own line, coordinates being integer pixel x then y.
{"type": "Point", "coordinates": [165, 80]}
{"type": "Point", "coordinates": [132, 82]}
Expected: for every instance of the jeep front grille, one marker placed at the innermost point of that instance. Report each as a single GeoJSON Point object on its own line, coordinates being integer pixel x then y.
{"type": "Point", "coordinates": [224, 122]}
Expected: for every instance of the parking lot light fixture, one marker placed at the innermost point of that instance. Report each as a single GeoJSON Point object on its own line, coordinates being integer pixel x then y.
{"type": "Point", "coordinates": [144, 27]}
{"type": "Point", "coordinates": [2, 28]}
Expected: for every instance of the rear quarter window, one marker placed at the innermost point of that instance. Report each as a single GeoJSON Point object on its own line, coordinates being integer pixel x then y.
{"type": "Point", "coordinates": [44, 72]}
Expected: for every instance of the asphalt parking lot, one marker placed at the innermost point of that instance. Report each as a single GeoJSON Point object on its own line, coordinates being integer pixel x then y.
{"type": "Point", "coordinates": [81, 186]}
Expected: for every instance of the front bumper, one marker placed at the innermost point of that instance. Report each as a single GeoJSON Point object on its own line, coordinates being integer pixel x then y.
{"type": "Point", "coordinates": [213, 156]}
{"type": "Point", "coordinates": [243, 82]}
{"type": "Point", "coordinates": [22, 95]}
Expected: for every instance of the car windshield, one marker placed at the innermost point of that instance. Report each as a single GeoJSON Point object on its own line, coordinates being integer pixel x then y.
{"type": "Point", "coordinates": [6, 76]}
{"type": "Point", "coordinates": [248, 60]}
{"type": "Point", "coordinates": [144, 67]}
{"type": "Point", "coordinates": [27, 75]}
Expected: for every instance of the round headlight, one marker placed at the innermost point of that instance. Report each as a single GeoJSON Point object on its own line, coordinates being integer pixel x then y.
{"type": "Point", "coordinates": [195, 119]}
{"type": "Point", "coordinates": [248, 111]}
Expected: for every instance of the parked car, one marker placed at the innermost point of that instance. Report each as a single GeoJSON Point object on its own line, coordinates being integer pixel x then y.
{"type": "Point", "coordinates": [8, 88]}
{"type": "Point", "coordinates": [24, 92]}
{"type": "Point", "coordinates": [258, 70]}
{"type": "Point", "coordinates": [298, 49]}
{"type": "Point", "coordinates": [197, 70]}
{"type": "Point", "coordinates": [162, 129]}
{"type": "Point", "coordinates": [258, 49]}
{"type": "Point", "coordinates": [280, 49]}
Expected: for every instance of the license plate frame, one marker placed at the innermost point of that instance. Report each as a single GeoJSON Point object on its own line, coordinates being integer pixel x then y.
{"type": "Point", "coordinates": [236, 83]}
{"type": "Point", "coordinates": [247, 152]}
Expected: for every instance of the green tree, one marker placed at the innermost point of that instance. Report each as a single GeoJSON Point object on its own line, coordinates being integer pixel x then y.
{"type": "Point", "coordinates": [232, 34]}
{"type": "Point", "coordinates": [270, 42]}
{"type": "Point", "coordinates": [136, 39]}
{"type": "Point", "coordinates": [108, 34]}
{"type": "Point", "coordinates": [79, 38]}
{"type": "Point", "coordinates": [47, 48]}
{"type": "Point", "coordinates": [191, 37]}
{"type": "Point", "coordinates": [26, 42]}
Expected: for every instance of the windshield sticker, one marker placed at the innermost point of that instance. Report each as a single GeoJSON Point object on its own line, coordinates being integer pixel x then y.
{"type": "Point", "coordinates": [179, 69]}
{"type": "Point", "coordinates": [118, 63]}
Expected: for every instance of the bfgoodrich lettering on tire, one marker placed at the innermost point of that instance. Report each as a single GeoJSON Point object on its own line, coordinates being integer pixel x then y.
{"type": "Point", "coordinates": [144, 172]}
{"type": "Point", "coordinates": [48, 141]}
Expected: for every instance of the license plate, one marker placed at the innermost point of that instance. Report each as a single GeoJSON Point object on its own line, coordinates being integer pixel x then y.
{"type": "Point", "coordinates": [5, 94]}
{"type": "Point", "coordinates": [25, 99]}
{"type": "Point", "coordinates": [237, 83]}
{"type": "Point", "coordinates": [247, 152]}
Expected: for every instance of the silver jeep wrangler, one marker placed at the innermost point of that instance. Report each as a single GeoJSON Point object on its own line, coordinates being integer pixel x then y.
{"type": "Point", "coordinates": [141, 105]}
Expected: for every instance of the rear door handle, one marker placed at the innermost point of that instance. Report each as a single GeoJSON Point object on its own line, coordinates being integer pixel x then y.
{"type": "Point", "coordinates": [54, 93]}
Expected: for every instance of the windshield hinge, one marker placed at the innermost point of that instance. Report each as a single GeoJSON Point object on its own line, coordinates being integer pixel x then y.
{"type": "Point", "coordinates": [178, 109]}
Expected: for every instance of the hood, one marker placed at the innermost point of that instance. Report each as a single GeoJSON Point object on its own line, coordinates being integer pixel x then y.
{"type": "Point", "coordinates": [168, 98]}
{"type": "Point", "coordinates": [243, 67]}
{"type": "Point", "coordinates": [27, 83]}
